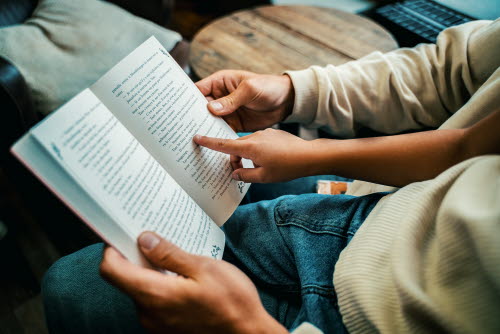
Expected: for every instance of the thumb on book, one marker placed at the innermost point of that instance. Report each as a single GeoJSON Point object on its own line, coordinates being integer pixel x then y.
{"type": "Point", "coordinates": [165, 255]}
{"type": "Point", "coordinates": [229, 103]}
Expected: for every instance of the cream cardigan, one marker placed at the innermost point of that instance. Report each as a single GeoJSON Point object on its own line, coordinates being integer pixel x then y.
{"type": "Point", "coordinates": [427, 258]}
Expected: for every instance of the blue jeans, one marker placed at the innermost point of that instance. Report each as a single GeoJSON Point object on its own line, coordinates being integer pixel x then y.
{"type": "Point", "coordinates": [285, 237]}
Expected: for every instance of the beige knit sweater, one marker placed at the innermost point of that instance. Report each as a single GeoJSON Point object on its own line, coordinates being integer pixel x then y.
{"type": "Point", "coordinates": [427, 258]}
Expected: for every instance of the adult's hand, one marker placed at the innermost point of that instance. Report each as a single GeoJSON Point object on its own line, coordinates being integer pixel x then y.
{"type": "Point", "coordinates": [248, 101]}
{"type": "Point", "coordinates": [208, 296]}
{"type": "Point", "coordinates": [277, 155]}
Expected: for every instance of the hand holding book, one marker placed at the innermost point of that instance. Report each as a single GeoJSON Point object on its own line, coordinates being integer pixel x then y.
{"type": "Point", "coordinates": [207, 296]}
{"type": "Point", "coordinates": [248, 101]}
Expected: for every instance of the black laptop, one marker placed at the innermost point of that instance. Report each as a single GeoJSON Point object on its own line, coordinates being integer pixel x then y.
{"type": "Point", "coordinates": [420, 21]}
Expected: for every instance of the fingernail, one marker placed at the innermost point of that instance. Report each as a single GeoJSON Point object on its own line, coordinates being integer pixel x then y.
{"type": "Point", "coordinates": [197, 137]}
{"type": "Point", "coordinates": [236, 176]}
{"type": "Point", "coordinates": [216, 106]}
{"type": "Point", "coordinates": [148, 240]}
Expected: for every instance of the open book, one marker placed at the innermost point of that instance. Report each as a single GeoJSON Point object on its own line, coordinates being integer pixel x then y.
{"type": "Point", "coordinates": [120, 154]}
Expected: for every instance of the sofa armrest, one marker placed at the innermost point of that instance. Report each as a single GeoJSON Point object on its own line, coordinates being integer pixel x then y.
{"type": "Point", "coordinates": [17, 114]}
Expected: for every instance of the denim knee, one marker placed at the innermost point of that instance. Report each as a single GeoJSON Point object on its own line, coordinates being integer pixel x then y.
{"type": "Point", "coordinates": [64, 280]}
{"type": "Point", "coordinates": [67, 288]}
{"type": "Point", "coordinates": [74, 293]}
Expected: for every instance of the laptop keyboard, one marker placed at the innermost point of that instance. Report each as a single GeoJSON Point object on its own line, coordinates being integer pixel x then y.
{"type": "Point", "coordinates": [422, 17]}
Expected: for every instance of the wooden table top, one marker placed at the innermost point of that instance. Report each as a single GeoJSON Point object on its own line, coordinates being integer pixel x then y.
{"type": "Point", "coordinates": [272, 39]}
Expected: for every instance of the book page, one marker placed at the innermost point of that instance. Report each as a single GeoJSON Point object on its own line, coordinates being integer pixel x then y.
{"type": "Point", "coordinates": [158, 103]}
{"type": "Point", "coordinates": [113, 167]}
{"type": "Point", "coordinates": [55, 177]}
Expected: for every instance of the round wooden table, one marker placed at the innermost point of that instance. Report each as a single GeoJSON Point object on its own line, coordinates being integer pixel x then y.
{"type": "Point", "coordinates": [272, 39]}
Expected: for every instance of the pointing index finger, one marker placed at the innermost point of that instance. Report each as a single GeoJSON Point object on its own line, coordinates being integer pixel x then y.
{"type": "Point", "coordinates": [229, 146]}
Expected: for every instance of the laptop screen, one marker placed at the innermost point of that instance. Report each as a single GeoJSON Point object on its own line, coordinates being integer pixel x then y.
{"type": "Point", "coordinates": [479, 9]}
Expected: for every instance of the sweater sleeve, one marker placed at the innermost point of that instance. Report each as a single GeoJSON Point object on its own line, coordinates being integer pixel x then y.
{"type": "Point", "coordinates": [406, 89]}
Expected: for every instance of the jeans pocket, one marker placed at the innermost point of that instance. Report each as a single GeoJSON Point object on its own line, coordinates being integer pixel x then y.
{"type": "Point", "coordinates": [317, 214]}
{"type": "Point", "coordinates": [339, 215]}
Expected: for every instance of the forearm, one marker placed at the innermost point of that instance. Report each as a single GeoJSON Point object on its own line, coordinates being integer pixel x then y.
{"type": "Point", "coordinates": [396, 160]}
{"type": "Point", "coordinates": [402, 159]}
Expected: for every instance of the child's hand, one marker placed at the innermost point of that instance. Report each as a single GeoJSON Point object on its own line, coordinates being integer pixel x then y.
{"type": "Point", "coordinates": [277, 155]}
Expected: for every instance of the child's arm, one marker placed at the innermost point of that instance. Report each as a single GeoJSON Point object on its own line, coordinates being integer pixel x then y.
{"type": "Point", "coordinates": [403, 159]}
{"type": "Point", "coordinates": [395, 160]}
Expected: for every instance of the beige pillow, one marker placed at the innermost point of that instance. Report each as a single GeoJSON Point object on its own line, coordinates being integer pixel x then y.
{"type": "Point", "coordinates": [67, 45]}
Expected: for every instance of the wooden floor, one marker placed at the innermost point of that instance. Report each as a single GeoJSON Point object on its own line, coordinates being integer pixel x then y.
{"type": "Point", "coordinates": [25, 254]}
{"type": "Point", "coordinates": [39, 231]}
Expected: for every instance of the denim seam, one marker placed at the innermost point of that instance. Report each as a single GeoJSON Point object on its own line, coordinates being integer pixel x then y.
{"type": "Point", "coordinates": [281, 221]}
{"type": "Point", "coordinates": [277, 218]}
{"type": "Point", "coordinates": [291, 222]}
{"type": "Point", "coordinates": [318, 290]}
{"type": "Point", "coordinates": [307, 220]}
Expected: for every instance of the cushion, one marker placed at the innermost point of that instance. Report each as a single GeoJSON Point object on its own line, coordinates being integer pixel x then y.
{"type": "Point", "coordinates": [67, 45]}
